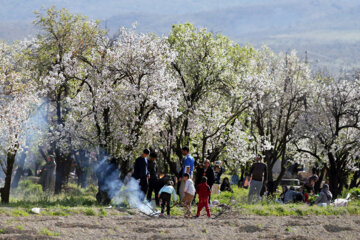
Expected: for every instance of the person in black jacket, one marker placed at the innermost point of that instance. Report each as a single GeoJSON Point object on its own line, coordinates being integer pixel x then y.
{"type": "Point", "coordinates": [208, 172]}
{"type": "Point", "coordinates": [141, 172]}
{"type": "Point", "coordinates": [153, 181]}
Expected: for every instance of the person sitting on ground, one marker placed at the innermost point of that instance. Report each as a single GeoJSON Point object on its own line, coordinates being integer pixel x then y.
{"type": "Point", "coordinates": [189, 192]}
{"type": "Point", "coordinates": [204, 193]}
{"type": "Point", "coordinates": [325, 197]}
{"type": "Point", "coordinates": [299, 196]}
{"type": "Point", "coordinates": [165, 196]}
{"type": "Point", "coordinates": [225, 186]}
{"type": "Point", "coordinates": [289, 195]}
{"type": "Point", "coordinates": [282, 195]}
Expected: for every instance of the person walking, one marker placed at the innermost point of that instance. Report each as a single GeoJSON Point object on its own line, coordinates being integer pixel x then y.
{"type": "Point", "coordinates": [153, 180]}
{"type": "Point", "coordinates": [204, 194]}
{"type": "Point", "coordinates": [187, 167]}
{"type": "Point", "coordinates": [141, 173]}
{"type": "Point", "coordinates": [189, 192]}
{"type": "Point", "coordinates": [259, 174]}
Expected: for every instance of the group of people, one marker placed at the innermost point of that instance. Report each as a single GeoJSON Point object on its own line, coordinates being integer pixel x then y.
{"type": "Point", "coordinates": [145, 172]}
{"type": "Point", "coordinates": [259, 178]}
{"type": "Point", "coordinates": [304, 192]}
{"type": "Point", "coordinates": [208, 179]}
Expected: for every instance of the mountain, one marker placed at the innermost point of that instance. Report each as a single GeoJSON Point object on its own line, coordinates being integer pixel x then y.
{"type": "Point", "coordinates": [327, 29]}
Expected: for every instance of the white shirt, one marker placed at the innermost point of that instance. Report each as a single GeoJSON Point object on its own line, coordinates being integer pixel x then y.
{"type": "Point", "coordinates": [189, 187]}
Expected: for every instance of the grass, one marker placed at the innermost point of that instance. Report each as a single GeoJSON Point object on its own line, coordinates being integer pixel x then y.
{"type": "Point", "coordinates": [49, 233]}
{"type": "Point", "coordinates": [90, 212]}
{"type": "Point", "coordinates": [74, 201]}
{"type": "Point", "coordinates": [19, 227]}
{"type": "Point", "coordinates": [2, 231]}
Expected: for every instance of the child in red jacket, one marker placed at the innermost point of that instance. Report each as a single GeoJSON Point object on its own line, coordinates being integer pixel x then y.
{"type": "Point", "coordinates": [203, 190]}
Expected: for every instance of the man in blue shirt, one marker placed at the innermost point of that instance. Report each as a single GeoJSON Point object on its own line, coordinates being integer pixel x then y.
{"type": "Point", "coordinates": [188, 162]}
{"type": "Point", "coordinates": [141, 172]}
{"type": "Point", "coordinates": [187, 167]}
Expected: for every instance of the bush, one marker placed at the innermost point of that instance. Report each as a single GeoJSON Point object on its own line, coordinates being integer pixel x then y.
{"type": "Point", "coordinates": [355, 192]}
{"type": "Point", "coordinates": [29, 190]}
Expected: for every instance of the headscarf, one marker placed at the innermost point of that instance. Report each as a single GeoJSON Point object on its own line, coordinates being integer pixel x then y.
{"type": "Point", "coordinates": [327, 192]}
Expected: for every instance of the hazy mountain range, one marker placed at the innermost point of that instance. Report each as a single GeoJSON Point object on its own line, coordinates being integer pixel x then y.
{"type": "Point", "coordinates": [328, 29]}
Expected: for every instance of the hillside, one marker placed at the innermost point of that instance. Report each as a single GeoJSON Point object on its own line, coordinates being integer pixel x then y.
{"type": "Point", "coordinates": [327, 29]}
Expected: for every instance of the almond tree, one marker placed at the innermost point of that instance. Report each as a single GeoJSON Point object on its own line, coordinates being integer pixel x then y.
{"type": "Point", "coordinates": [331, 123]}
{"type": "Point", "coordinates": [62, 38]}
{"type": "Point", "coordinates": [126, 94]}
{"type": "Point", "coordinates": [279, 100]}
{"type": "Point", "coordinates": [18, 99]}
{"type": "Point", "coordinates": [208, 69]}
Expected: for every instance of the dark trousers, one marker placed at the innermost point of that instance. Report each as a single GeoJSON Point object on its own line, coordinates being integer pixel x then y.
{"type": "Point", "coordinates": [165, 200]}
{"type": "Point", "coordinates": [153, 187]}
{"type": "Point", "coordinates": [144, 185]}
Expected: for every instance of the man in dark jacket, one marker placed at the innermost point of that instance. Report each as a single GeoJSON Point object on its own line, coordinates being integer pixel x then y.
{"type": "Point", "coordinates": [258, 172]}
{"type": "Point", "coordinates": [141, 172]}
{"type": "Point", "coordinates": [153, 181]}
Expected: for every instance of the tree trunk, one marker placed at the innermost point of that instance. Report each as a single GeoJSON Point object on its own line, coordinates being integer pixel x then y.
{"type": "Point", "coordinates": [321, 177]}
{"type": "Point", "coordinates": [5, 191]}
{"type": "Point", "coordinates": [19, 171]}
{"type": "Point", "coordinates": [63, 168]}
{"type": "Point", "coordinates": [335, 177]}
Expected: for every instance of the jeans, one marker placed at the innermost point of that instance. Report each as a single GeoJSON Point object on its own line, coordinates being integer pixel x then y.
{"type": "Point", "coordinates": [255, 189]}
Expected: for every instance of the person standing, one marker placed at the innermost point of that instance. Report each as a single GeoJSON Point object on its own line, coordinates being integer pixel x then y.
{"type": "Point", "coordinates": [207, 172]}
{"type": "Point", "coordinates": [153, 181]}
{"type": "Point", "coordinates": [47, 174]}
{"type": "Point", "coordinates": [141, 173]}
{"type": "Point", "coordinates": [187, 167]}
{"type": "Point", "coordinates": [219, 170]}
{"type": "Point", "coordinates": [258, 172]}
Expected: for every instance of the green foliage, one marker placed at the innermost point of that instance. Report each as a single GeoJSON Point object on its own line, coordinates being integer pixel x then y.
{"type": "Point", "coordinates": [355, 193]}
{"type": "Point", "coordinates": [29, 191]}
{"type": "Point", "coordinates": [30, 195]}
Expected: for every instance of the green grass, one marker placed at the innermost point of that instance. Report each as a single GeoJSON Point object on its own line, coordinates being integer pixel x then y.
{"type": "Point", "coordinates": [74, 201]}
{"type": "Point", "coordinates": [49, 233]}
{"type": "Point", "coordinates": [19, 227]}
{"type": "Point", "coordinates": [2, 231]}
{"type": "Point", "coordinates": [89, 212]}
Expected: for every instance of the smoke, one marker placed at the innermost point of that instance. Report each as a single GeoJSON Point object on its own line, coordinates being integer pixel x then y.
{"type": "Point", "coordinates": [120, 193]}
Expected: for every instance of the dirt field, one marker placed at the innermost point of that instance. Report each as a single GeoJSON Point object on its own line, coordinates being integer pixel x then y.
{"type": "Point", "coordinates": [230, 226]}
